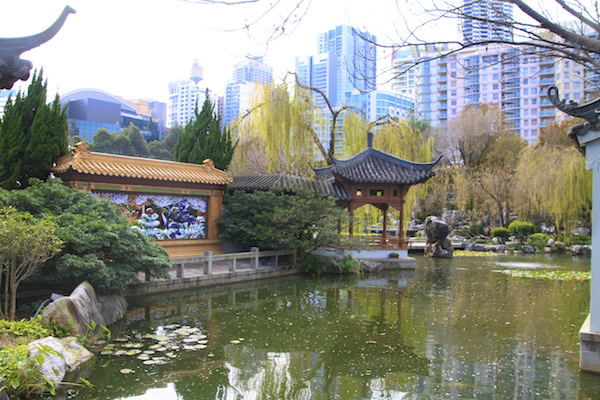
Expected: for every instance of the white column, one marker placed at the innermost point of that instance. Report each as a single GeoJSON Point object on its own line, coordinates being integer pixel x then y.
{"type": "Point", "coordinates": [593, 162]}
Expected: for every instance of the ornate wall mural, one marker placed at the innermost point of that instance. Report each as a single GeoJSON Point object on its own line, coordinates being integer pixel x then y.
{"type": "Point", "coordinates": [163, 217]}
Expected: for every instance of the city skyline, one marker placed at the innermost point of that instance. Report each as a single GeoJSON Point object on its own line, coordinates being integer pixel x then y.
{"type": "Point", "coordinates": [134, 49]}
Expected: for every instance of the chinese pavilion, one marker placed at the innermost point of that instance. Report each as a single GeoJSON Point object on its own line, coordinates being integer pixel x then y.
{"type": "Point", "coordinates": [369, 177]}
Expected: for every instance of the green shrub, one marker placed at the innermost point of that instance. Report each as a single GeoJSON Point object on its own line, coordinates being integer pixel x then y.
{"type": "Point", "coordinates": [98, 243]}
{"type": "Point", "coordinates": [476, 230]}
{"type": "Point", "coordinates": [580, 239]}
{"type": "Point", "coordinates": [501, 233]}
{"type": "Point", "coordinates": [538, 240]}
{"type": "Point", "coordinates": [304, 221]}
{"type": "Point", "coordinates": [313, 265]}
{"type": "Point", "coordinates": [31, 329]}
{"type": "Point", "coordinates": [521, 230]}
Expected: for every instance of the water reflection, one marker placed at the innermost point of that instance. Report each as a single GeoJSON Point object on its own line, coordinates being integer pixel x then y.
{"type": "Point", "coordinates": [450, 329]}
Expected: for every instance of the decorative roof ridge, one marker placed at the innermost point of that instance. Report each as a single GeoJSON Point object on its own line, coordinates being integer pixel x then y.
{"type": "Point", "coordinates": [370, 151]}
{"type": "Point", "coordinates": [81, 154]}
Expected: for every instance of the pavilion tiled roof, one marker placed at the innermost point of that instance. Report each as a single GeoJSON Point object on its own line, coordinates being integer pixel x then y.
{"type": "Point", "coordinates": [288, 184]}
{"type": "Point", "coordinates": [374, 166]}
{"type": "Point", "coordinates": [83, 161]}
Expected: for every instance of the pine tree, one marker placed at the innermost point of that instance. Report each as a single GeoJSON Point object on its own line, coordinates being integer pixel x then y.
{"type": "Point", "coordinates": [202, 139]}
{"type": "Point", "coordinates": [33, 135]}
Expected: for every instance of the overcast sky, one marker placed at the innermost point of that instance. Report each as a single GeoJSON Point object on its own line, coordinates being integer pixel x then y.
{"type": "Point", "coordinates": [133, 48]}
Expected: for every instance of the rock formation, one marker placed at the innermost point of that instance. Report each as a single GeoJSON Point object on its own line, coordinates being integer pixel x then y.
{"type": "Point", "coordinates": [438, 245]}
{"type": "Point", "coordinates": [60, 356]}
{"type": "Point", "coordinates": [78, 310]}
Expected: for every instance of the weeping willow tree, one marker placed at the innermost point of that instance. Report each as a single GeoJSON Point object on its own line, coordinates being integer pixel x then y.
{"type": "Point", "coordinates": [280, 131]}
{"type": "Point", "coordinates": [553, 181]}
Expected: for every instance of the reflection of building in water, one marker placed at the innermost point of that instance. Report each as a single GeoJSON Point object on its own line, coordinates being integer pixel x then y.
{"type": "Point", "coordinates": [524, 375]}
{"type": "Point", "coordinates": [563, 382]}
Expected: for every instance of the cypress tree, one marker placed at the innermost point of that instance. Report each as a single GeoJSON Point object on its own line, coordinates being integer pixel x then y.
{"type": "Point", "coordinates": [202, 139]}
{"type": "Point", "coordinates": [33, 135]}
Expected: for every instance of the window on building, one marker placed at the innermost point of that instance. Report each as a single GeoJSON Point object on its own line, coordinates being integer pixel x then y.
{"type": "Point", "coordinates": [484, 97]}
{"type": "Point", "coordinates": [534, 122]}
{"type": "Point", "coordinates": [525, 122]}
{"type": "Point", "coordinates": [453, 111]}
{"type": "Point", "coordinates": [495, 77]}
{"type": "Point", "coordinates": [534, 111]}
{"type": "Point", "coordinates": [377, 193]}
{"type": "Point", "coordinates": [526, 112]}
{"type": "Point", "coordinates": [525, 102]}
{"type": "Point", "coordinates": [484, 77]}
{"type": "Point", "coordinates": [525, 92]}
{"type": "Point", "coordinates": [453, 65]}
{"type": "Point", "coordinates": [533, 70]}
{"type": "Point", "coordinates": [558, 76]}
{"type": "Point", "coordinates": [534, 90]}
{"type": "Point", "coordinates": [576, 85]}
{"type": "Point", "coordinates": [577, 96]}
{"type": "Point", "coordinates": [484, 87]}
{"type": "Point", "coordinates": [453, 102]}
{"type": "Point", "coordinates": [453, 93]}
{"type": "Point", "coordinates": [495, 86]}
{"type": "Point", "coordinates": [567, 85]}
{"type": "Point", "coordinates": [567, 64]}
{"type": "Point", "coordinates": [533, 102]}
{"type": "Point", "coordinates": [453, 84]}
{"type": "Point", "coordinates": [496, 96]}
{"type": "Point", "coordinates": [567, 75]}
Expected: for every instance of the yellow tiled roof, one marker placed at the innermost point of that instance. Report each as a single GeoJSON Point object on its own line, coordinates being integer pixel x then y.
{"type": "Point", "coordinates": [86, 162]}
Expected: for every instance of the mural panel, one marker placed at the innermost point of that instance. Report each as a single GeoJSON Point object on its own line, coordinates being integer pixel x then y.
{"type": "Point", "coordinates": [163, 217]}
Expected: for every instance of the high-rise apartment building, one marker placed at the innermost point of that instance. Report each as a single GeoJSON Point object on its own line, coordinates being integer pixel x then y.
{"type": "Point", "coordinates": [184, 95]}
{"type": "Point", "coordinates": [480, 26]}
{"type": "Point", "coordinates": [517, 82]}
{"type": "Point", "coordinates": [355, 61]}
{"type": "Point", "coordinates": [246, 75]}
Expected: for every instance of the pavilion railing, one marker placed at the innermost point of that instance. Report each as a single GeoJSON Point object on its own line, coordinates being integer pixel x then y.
{"type": "Point", "coordinates": [377, 243]}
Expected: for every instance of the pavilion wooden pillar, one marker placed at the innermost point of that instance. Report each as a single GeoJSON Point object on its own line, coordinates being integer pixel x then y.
{"type": "Point", "coordinates": [214, 212]}
{"type": "Point", "coordinates": [401, 220]}
{"type": "Point", "coordinates": [351, 223]}
{"type": "Point", "coordinates": [384, 208]}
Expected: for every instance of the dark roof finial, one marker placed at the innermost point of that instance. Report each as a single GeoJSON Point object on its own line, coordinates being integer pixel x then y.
{"type": "Point", "coordinates": [369, 139]}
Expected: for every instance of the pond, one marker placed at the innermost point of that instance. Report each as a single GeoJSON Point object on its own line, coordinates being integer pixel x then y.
{"type": "Point", "coordinates": [452, 329]}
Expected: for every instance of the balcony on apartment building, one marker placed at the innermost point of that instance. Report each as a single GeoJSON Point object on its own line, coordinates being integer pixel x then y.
{"type": "Point", "coordinates": [547, 71]}
{"type": "Point", "coordinates": [547, 113]}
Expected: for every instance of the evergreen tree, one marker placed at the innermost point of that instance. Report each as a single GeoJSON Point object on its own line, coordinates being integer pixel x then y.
{"type": "Point", "coordinates": [33, 135]}
{"type": "Point", "coordinates": [202, 139]}
{"type": "Point", "coordinates": [139, 146]}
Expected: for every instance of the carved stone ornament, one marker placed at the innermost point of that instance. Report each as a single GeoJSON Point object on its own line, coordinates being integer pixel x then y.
{"type": "Point", "coordinates": [12, 67]}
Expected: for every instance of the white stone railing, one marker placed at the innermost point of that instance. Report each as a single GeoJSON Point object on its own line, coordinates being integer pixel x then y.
{"type": "Point", "coordinates": [254, 255]}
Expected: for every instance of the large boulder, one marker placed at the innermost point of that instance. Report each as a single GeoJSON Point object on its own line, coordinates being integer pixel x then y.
{"type": "Point", "coordinates": [438, 245]}
{"type": "Point", "coordinates": [581, 250]}
{"type": "Point", "coordinates": [82, 310]}
{"type": "Point", "coordinates": [528, 249]}
{"type": "Point", "coordinates": [56, 357]}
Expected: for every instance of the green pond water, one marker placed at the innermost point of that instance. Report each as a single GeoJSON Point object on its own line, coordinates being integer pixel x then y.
{"type": "Point", "coordinates": [451, 329]}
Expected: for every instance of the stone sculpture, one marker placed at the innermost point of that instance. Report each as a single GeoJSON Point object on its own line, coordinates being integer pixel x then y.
{"type": "Point", "coordinates": [12, 67]}
{"type": "Point", "coordinates": [438, 245]}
